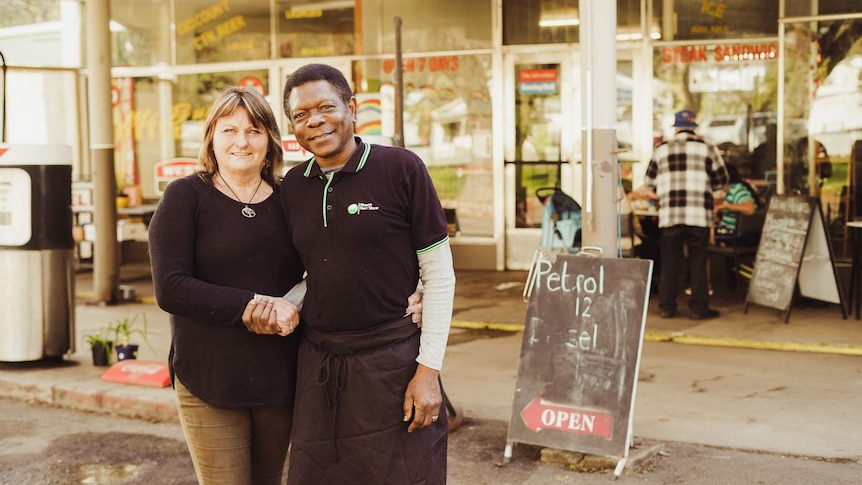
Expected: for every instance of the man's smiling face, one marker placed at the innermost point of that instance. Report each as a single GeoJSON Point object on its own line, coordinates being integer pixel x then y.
{"type": "Point", "coordinates": [323, 123]}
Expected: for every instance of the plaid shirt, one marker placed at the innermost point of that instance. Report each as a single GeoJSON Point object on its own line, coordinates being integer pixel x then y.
{"type": "Point", "coordinates": [684, 171]}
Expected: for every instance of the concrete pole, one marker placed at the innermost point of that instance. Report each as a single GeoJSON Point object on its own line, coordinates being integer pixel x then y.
{"type": "Point", "coordinates": [106, 252]}
{"type": "Point", "coordinates": [601, 187]}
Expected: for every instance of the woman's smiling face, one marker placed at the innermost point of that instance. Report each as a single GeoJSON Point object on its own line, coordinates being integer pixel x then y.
{"type": "Point", "coordinates": [238, 145]}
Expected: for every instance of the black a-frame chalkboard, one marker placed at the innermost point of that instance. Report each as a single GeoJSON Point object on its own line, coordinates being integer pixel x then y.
{"type": "Point", "coordinates": [580, 354]}
{"type": "Point", "coordinates": [794, 253]}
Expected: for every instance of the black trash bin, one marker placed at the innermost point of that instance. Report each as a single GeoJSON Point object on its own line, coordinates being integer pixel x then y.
{"type": "Point", "coordinates": [37, 316]}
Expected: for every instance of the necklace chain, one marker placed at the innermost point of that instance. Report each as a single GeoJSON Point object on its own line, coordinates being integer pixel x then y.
{"type": "Point", "coordinates": [246, 211]}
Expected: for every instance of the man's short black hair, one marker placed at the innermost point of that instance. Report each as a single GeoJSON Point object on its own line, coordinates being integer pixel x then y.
{"type": "Point", "coordinates": [316, 72]}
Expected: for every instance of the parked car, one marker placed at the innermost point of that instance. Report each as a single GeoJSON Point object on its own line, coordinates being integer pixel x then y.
{"type": "Point", "coordinates": [732, 129]}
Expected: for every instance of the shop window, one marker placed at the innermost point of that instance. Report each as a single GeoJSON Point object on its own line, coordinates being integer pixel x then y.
{"type": "Point", "coordinates": [447, 122]}
{"type": "Point", "coordinates": [733, 90]}
{"type": "Point", "coordinates": [629, 22]}
{"type": "Point", "coordinates": [827, 99]}
{"type": "Point", "coordinates": [557, 21]}
{"type": "Point", "coordinates": [144, 135]}
{"type": "Point", "coordinates": [41, 107]}
{"type": "Point", "coordinates": [140, 33]}
{"type": "Point", "coordinates": [437, 25]}
{"type": "Point", "coordinates": [717, 19]}
{"type": "Point", "coordinates": [222, 31]}
{"type": "Point", "coordinates": [12, 13]}
{"type": "Point", "coordinates": [315, 29]}
{"type": "Point", "coordinates": [540, 22]}
{"type": "Point", "coordinates": [801, 8]}
{"type": "Point", "coordinates": [41, 32]}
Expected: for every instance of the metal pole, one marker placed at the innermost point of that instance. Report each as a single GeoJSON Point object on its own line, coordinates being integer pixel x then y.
{"type": "Point", "coordinates": [106, 251]}
{"type": "Point", "coordinates": [600, 165]}
{"type": "Point", "coordinates": [398, 138]}
{"type": "Point", "coordinates": [3, 134]}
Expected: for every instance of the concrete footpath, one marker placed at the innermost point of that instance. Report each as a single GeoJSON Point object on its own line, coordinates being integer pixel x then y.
{"type": "Point", "coordinates": [707, 382]}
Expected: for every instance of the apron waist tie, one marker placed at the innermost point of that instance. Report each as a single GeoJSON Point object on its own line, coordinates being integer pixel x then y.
{"type": "Point", "coordinates": [332, 375]}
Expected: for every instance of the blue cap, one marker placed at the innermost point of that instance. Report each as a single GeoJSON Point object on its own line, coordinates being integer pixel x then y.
{"type": "Point", "coordinates": [684, 119]}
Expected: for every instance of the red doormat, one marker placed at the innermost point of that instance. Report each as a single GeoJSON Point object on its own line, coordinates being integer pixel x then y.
{"type": "Point", "coordinates": [139, 372]}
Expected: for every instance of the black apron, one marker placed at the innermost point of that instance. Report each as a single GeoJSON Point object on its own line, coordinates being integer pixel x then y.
{"type": "Point", "coordinates": [348, 426]}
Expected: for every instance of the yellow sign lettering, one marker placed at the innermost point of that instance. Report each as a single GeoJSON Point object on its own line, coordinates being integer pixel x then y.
{"type": "Point", "coordinates": [713, 8]}
{"type": "Point", "coordinates": [303, 14]}
{"type": "Point", "coordinates": [203, 17]}
{"type": "Point", "coordinates": [230, 26]}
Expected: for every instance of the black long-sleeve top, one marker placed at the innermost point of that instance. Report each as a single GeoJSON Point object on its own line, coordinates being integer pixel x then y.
{"type": "Point", "coordinates": [208, 260]}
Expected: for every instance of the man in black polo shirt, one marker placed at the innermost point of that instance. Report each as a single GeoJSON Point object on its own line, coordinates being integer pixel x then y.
{"type": "Point", "coordinates": [368, 225]}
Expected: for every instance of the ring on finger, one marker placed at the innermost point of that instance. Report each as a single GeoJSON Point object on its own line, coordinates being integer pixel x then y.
{"type": "Point", "coordinates": [434, 417]}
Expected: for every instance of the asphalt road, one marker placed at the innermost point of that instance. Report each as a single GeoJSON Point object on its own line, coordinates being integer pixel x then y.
{"type": "Point", "coordinates": [41, 445]}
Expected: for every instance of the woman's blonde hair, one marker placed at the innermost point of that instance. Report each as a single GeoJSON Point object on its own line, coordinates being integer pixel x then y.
{"type": "Point", "coordinates": [261, 116]}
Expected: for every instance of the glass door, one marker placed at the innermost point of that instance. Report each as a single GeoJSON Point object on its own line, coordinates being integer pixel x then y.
{"type": "Point", "coordinates": [542, 139]}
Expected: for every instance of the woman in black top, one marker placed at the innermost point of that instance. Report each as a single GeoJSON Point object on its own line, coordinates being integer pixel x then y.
{"type": "Point", "coordinates": [217, 239]}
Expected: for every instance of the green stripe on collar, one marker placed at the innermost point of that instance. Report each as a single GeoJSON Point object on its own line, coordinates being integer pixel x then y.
{"type": "Point", "coordinates": [366, 150]}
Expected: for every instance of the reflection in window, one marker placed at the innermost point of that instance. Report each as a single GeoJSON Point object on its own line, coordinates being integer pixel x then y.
{"type": "Point", "coordinates": [731, 87]}
{"type": "Point", "coordinates": [222, 30]}
{"type": "Point", "coordinates": [540, 22]}
{"type": "Point", "coordinates": [315, 29]}
{"type": "Point", "coordinates": [794, 8]}
{"type": "Point", "coordinates": [145, 135]}
{"type": "Point", "coordinates": [34, 12]}
{"type": "Point", "coordinates": [538, 129]}
{"type": "Point", "coordinates": [447, 122]}
{"type": "Point", "coordinates": [823, 107]}
{"type": "Point", "coordinates": [538, 112]}
{"type": "Point", "coordinates": [437, 25]}
{"type": "Point", "coordinates": [39, 32]}
{"type": "Point", "coordinates": [41, 107]}
{"type": "Point", "coordinates": [727, 19]}
{"type": "Point", "coordinates": [139, 32]}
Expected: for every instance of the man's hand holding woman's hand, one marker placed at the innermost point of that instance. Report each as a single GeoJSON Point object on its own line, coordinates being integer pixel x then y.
{"type": "Point", "coordinates": [270, 315]}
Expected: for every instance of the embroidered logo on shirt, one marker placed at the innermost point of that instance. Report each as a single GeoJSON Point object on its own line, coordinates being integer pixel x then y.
{"type": "Point", "coordinates": [356, 208]}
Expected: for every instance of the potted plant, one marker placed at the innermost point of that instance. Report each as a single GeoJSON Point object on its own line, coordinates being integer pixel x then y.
{"type": "Point", "coordinates": [123, 330]}
{"type": "Point", "coordinates": [101, 346]}
{"type": "Point", "coordinates": [122, 198]}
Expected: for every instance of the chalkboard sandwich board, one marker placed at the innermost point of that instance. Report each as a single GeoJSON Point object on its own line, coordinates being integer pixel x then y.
{"type": "Point", "coordinates": [580, 354]}
{"type": "Point", "coordinates": [794, 252]}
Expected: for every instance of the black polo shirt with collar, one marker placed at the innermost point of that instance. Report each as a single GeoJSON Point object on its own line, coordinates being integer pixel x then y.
{"type": "Point", "coordinates": [359, 232]}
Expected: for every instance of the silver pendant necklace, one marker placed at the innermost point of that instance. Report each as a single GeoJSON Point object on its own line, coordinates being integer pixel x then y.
{"type": "Point", "coordinates": [246, 211]}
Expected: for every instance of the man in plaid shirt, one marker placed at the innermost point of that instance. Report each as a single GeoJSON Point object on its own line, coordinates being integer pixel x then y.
{"type": "Point", "coordinates": [683, 174]}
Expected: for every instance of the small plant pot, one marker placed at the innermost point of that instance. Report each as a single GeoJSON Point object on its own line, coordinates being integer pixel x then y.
{"type": "Point", "coordinates": [126, 352]}
{"type": "Point", "coordinates": [102, 354]}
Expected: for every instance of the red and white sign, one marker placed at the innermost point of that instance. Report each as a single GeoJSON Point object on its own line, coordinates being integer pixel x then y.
{"type": "Point", "coordinates": [537, 81]}
{"type": "Point", "coordinates": [139, 372]}
{"type": "Point", "coordinates": [293, 151]}
{"type": "Point", "coordinates": [424, 64]}
{"type": "Point", "coordinates": [720, 53]}
{"type": "Point", "coordinates": [540, 415]}
{"type": "Point", "coordinates": [253, 82]}
{"type": "Point", "coordinates": [169, 170]}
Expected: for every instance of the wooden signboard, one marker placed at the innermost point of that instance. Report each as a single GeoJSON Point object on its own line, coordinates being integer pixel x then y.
{"type": "Point", "coordinates": [580, 354]}
{"type": "Point", "coordinates": [794, 252]}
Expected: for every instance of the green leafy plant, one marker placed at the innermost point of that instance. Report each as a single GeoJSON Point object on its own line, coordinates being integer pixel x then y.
{"type": "Point", "coordinates": [100, 340]}
{"type": "Point", "coordinates": [124, 328]}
